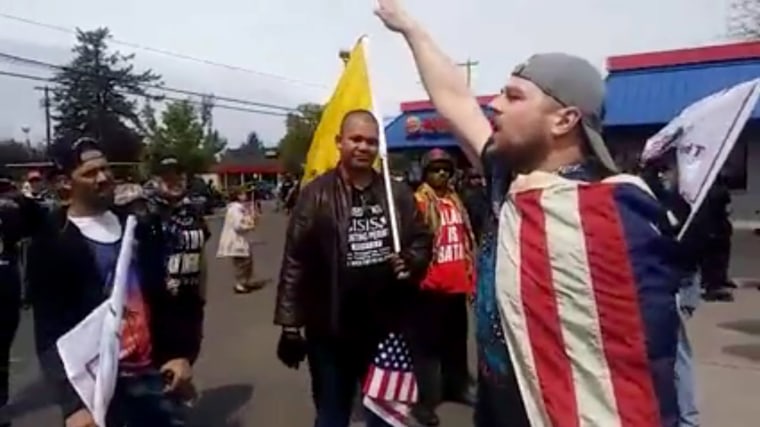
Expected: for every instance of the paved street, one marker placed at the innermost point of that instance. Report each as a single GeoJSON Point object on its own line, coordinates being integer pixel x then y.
{"type": "Point", "coordinates": [244, 385]}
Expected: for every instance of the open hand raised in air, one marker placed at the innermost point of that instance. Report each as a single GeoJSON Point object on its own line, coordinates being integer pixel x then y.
{"type": "Point", "coordinates": [393, 15]}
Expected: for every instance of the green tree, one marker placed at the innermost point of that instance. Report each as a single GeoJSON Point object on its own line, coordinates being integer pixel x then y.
{"type": "Point", "coordinates": [299, 131]}
{"type": "Point", "coordinates": [180, 133]}
{"type": "Point", "coordinates": [17, 152]}
{"type": "Point", "coordinates": [148, 118]}
{"type": "Point", "coordinates": [92, 96]}
{"type": "Point", "coordinates": [254, 146]}
{"type": "Point", "coordinates": [207, 112]}
{"type": "Point", "coordinates": [744, 19]}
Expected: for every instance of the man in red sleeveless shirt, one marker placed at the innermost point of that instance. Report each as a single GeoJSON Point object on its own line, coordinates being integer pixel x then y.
{"type": "Point", "coordinates": [441, 359]}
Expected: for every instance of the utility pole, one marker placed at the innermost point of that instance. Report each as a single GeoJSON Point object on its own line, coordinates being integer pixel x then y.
{"type": "Point", "coordinates": [469, 65]}
{"type": "Point", "coordinates": [46, 105]}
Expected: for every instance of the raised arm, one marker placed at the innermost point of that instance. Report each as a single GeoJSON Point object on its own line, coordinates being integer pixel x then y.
{"type": "Point", "coordinates": [443, 82]}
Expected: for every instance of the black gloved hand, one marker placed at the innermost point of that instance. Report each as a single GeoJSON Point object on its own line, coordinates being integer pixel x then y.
{"type": "Point", "coordinates": [291, 349]}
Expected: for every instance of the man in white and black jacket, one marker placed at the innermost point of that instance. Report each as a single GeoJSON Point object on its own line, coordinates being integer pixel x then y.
{"type": "Point", "coordinates": [71, 265]}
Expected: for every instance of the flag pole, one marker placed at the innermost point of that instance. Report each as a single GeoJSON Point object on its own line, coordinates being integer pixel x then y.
{"type": "Point", "coordinates": [382, 152]}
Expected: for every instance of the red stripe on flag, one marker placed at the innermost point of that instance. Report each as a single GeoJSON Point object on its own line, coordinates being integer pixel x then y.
{"type": "Point", "coordinates": [368, 379]}
{"type": "Point", "coordinates": [399, 383]}
{"type": "Point", "coordinates": [617, 306]}
{"type": "Point", "coordinates": [553, 367]}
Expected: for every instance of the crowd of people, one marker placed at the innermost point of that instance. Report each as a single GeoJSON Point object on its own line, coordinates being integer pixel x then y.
{"type": "Point", "coordinates": [345, 284]}
{"type": "Point", "coordinates": [72, 236]}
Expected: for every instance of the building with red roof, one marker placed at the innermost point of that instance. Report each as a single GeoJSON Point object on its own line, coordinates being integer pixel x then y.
{"type": "Point", "coordinates": [241, 167]}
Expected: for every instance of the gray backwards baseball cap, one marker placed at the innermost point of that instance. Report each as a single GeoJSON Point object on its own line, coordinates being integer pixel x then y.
{"type": "Point", "coordinates": [573, 82]}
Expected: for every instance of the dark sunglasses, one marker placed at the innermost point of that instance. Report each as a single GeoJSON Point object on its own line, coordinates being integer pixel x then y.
{"type": "Point", "coordinates": [439, 169]}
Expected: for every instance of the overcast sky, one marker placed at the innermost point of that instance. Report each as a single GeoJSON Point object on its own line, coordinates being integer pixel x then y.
{"type": "Point", "coordinates": [298, 41]}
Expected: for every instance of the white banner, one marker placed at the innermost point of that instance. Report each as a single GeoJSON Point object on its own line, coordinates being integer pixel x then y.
{"type": "Point", "coordinates": [704, 135]}
{"type": "Point", "coordinates": [90, 351]}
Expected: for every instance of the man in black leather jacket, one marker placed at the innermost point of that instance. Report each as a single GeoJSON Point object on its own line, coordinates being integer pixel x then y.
{"type": "Point", "coordinates": [340, 279]}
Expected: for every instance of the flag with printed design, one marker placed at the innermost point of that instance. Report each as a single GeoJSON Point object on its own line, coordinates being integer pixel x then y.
{"type": "Point", "coordinates": [353, 92]}
{"type": "Point", "coordinates": [390, 388]}
{"type": "Point", "coordinates": [586, 290]}
{"type": "Point", "coordinates": [704, 134]}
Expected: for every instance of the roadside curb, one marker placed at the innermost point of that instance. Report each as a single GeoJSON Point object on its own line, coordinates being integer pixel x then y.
{"type": "Point", "coordinates": [747, 282]}
{"type": "Point", "coordinates": [746, 225]}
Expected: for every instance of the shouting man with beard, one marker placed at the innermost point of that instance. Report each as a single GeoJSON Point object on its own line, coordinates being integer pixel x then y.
{"type": "Point", "coordinates": [576, 312]}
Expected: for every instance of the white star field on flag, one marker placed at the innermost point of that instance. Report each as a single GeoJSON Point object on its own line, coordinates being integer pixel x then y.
{"type": "Point", "coordinates": [393, 355]}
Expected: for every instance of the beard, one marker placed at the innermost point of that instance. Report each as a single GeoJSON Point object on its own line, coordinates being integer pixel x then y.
{"type": "Point", "coordinates": [100, 201]}
{"type": "Point", "coordinates": [524, 157]}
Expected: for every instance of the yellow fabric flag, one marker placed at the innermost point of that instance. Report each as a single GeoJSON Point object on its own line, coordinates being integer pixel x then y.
{"type": "Point", "coordinates": [352, 92]}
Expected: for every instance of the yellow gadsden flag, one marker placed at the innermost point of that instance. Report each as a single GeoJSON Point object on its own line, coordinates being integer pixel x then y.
{"type": "Point", "coordinates": [353, 92]}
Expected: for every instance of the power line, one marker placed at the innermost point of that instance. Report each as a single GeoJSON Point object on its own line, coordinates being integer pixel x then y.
{"type": "Point", "coordinates": [153, 96]}
{"type": "Point", "coordinates": [169, 53]}
{"type": "Point", "coordinates": [36, 62]}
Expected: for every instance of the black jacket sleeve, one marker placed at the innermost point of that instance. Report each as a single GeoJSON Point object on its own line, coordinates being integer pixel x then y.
{"type": "Point", "coordinates": [416, 237]}
{"type": "Point", "coordinates": [54, 315]}
{"type": "Point", "coordinates": [289, 304]}
{"type": "Point", "coordinates": [33, 216]}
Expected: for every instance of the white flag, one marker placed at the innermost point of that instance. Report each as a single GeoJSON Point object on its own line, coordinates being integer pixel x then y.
{"type": "Point", "coordinates": [704, 134]}
{"type": "Point", "coordinates": [90, 351]}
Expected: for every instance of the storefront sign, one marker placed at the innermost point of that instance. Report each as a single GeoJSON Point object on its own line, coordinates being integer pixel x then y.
{"type": "Point", "coordinates": [429, 126]}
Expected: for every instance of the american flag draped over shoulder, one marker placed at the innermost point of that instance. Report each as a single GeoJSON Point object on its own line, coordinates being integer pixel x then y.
{"type": "Point", "coordinates": [390, 388]}
{"type": "Point", "coordinates": [587, 295]}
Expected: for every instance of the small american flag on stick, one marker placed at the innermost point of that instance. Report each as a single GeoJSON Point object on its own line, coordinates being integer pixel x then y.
{"type": "Point", "coordinates": [390, 388]}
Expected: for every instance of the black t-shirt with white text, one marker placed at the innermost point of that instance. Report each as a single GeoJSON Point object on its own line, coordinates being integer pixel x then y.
{"type": "Point", "coordinates": [368, 275]}
{"type": "Point", "coordinates": [369, 238]}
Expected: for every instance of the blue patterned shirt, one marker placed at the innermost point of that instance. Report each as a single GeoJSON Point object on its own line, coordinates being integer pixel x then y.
{"type": "Point", "coordinates": [493, 355]}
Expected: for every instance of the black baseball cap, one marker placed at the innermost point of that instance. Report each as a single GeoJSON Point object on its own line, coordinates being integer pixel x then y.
{"type": "Point", "coordinates": [169, 163]}
{"type": "Point", "coordinates": [69, 157]}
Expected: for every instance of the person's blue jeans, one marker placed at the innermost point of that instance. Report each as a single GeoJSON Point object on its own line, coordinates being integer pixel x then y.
{"type": "Point", "coordinates": [688, 300]}
{"type": "Point", "coordinates": [140, 401]}
{"type": "Point", "coordinates": [687, 405]}
{"type": "Point", "coordinates": [499, 403]}
{"type": "Point", "coordinates": [335, 375]}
